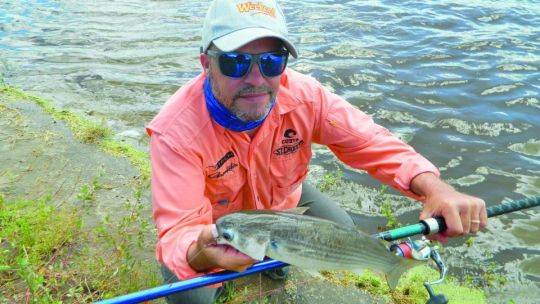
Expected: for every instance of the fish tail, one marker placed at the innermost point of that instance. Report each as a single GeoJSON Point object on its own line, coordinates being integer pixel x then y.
{"type": "Point", "coordinates": [392, 277]}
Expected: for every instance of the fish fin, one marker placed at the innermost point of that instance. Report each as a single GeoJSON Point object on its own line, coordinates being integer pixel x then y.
{"type": "Point", "coordinates": [297, 210]}
{"type": "Point", "coordinates": [393, 276]}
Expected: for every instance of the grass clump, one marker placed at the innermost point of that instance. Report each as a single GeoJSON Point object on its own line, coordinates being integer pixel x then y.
{"type": "Point", "coordinates": [331, 180]}
{"type": "Point", "coordinates": [411, 288]}
{"type": "Point", "coordinates": [115, 269]}
{"type": "Point", "coordinates": [48, 256]}
{"type": "Point", "coordinates": [33, 235]}
{"type": "Point", "coordinates": [386, 210]}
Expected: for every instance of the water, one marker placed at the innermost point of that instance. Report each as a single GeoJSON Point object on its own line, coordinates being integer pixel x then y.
{"type": "Point", "coordinates": [458, 80]}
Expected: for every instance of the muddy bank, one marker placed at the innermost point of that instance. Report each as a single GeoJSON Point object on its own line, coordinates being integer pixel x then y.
{"type": "Point", "coordinates": [41, 157]}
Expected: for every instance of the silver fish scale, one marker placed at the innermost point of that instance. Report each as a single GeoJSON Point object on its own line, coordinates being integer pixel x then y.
{"type": "Point", "coordinates": [329, 243]}
{"type": "Point", "coordinates": [300, 239]}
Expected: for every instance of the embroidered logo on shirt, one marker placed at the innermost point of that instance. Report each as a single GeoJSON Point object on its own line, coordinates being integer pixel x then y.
{"type": "Point", "coordinates": [219, 169]}
{"type": "Point", "coordinates": [290, 143]}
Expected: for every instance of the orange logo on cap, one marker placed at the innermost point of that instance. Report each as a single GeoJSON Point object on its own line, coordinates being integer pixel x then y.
{"type": "Point", "coordinates": [257, 7]}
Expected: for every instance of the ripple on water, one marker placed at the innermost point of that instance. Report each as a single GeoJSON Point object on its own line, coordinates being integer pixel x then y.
{"type": "Point", "coordinates": [527, 230]}
{"type": "Point", "coordinates": [527, 101]}
{"type": "Point", "coordinates": [483, 129]}
{"type": "Point", "coordinates": [511, 67]}
{"type": "Point", "coordinates": [489, 18]}
{"type": "Point", "coordinates": [452, 163]}
{"type": "Point", "coordinates": [480, 45]}
{"type": "Point", "coordinates": [528, 185]}
{"type": "Point", "coordinates": [468, 180]}
{"type": "Point", "coordinates": [400, 117]}
{"type": "Point", "coordinates": [442, 83]}
{"type": "Point", "coordinates": [531, 147]}
{"type": "Point", "coordinates": [429, 101]}
{"type": "Point", "coordinates": [352, 51]}
{"type": "Point", "coordinates": [531, 267]}
{"type": "Point", "coordinates": [499, 89]}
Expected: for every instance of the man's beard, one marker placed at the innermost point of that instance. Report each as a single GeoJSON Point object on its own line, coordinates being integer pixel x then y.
{"type": "Point", "coordinates": [251, 116]}
{"type": "Point", "coordinates": [237, 111]}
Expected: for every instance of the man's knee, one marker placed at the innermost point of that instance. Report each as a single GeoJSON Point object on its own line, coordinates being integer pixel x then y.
{"type": "Point", "coordinates": [322, 206]}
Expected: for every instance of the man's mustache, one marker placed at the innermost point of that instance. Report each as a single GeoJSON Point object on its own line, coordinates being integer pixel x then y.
{"type": "Point", "coordinates": [253, 90]}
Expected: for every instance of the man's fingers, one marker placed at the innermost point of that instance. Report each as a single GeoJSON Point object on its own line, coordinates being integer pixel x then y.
{"type": "Point", "coordinates": [483, 216]}
{"type": "Point", "coordinates": [465, 222]}
{"type": "Point", "coordinates": [453, 222]}
{"type": "Point", "coordinates": [474, 220]}
{"type": "Point", "coordinates": [229, 258]}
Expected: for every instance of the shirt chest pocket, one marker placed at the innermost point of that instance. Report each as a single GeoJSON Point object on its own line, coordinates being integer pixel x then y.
{"type": "Point", "coordinates": [288, 173]}
{"type": "Point", "coordinates": [224, 184]}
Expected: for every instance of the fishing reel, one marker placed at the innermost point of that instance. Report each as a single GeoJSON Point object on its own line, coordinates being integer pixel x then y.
{"type": "Point", "coordinates": [422, 251]}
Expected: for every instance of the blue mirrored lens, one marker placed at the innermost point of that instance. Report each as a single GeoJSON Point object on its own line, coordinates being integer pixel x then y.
{"type": "Point", "coordinates": [234, 65]}
{"type": "Point", "coordinates": [272, 64]}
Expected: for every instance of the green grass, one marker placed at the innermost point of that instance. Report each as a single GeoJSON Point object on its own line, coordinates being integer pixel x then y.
{"type": "Point", "coordinates": [386, 210]}
{"type": "Point", "coordinates": [47, 256]}
{"type": "Point", "coordinates": [410, 289]}
{"type": "Point", "coordinates": [33, 235]}
{"type": "Point", "coordinates": [331, 180]}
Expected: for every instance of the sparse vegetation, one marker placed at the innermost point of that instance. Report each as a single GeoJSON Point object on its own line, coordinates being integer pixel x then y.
{"type": "Point", "coordinates": [34, 236]}
{"type": "Point", "coordinates": [386, 210]}
{"type": "Point", "coordinates": [87, 131]}
{"type": "Point", "coordinates": [49, 256]}
{"type": "Point", "coordinates": [331, 180]}
{"type": "Point", "coordinates": [410, 289]}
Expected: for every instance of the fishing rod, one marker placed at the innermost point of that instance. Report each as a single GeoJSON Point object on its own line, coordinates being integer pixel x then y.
{"type": "Point", "coordinates": [424, 227]}
{"type": "Point", "coordinates": [437, 224]}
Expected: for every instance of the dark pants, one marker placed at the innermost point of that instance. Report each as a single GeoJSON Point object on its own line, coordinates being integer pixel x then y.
{"type": "Point", "coordinates": [320, 205]}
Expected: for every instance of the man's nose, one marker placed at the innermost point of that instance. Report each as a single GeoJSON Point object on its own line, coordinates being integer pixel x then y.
{"type": "Point", "coordinates": [255, 77]}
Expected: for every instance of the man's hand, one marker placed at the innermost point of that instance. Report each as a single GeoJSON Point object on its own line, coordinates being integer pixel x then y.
{"type": "Point", "coordinates": [206, 254]}
{"type": "Point", "coordinates": [462, 213]}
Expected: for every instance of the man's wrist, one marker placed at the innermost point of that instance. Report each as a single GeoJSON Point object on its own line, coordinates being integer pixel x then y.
{"type": "Point", "coordinates": [428, 183]}
{"type": "Point", "coordinates": [196, 258]}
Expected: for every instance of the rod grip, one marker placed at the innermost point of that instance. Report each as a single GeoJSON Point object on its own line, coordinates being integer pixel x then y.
{"type": "Point", "coordinates": [433, 225]}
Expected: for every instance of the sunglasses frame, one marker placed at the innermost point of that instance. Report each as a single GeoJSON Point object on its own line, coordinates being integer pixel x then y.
{"type": "Point", "coordinates": [253, 58]}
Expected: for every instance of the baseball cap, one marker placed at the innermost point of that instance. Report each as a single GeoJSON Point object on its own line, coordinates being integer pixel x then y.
{"type": "Point", "coordinates": [231, 24]}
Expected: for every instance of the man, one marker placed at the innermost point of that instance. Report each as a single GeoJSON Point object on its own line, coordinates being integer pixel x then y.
{"type": "Point", "coordinates": [238, 136]}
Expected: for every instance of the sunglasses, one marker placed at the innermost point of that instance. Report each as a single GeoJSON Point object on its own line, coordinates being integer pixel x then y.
{"type": "Point", "coordinates": [237, 65]}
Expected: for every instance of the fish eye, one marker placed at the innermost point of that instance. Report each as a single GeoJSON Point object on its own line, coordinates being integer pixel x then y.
{"type": "Point", "coordinates": [227, 236]}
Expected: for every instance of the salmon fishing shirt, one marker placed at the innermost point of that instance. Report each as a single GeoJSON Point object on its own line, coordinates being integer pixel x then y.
{"type": "Point", "coordinates": [202, 171]}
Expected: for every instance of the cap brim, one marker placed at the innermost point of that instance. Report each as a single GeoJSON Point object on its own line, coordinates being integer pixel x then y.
{"type": "Point", "coordinates": [237, 39]}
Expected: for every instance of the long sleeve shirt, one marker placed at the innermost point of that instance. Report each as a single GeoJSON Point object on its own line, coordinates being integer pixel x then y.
{"type": "Point", "coordinates": [202, 171]}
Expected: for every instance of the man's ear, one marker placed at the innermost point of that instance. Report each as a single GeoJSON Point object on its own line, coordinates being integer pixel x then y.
{"type": "Point", "coordinates": [205, 62]}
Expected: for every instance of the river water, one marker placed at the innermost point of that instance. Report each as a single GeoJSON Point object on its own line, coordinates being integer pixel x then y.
{"type": "Point", "coordinates": [458, 80]}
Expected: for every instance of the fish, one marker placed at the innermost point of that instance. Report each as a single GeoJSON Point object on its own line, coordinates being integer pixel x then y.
{"type": "Point", "coordinates": [310, 243]}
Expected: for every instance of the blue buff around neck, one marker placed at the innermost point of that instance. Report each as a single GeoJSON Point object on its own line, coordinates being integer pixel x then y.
{"type": "Point", "coordinates": [224, 117]}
